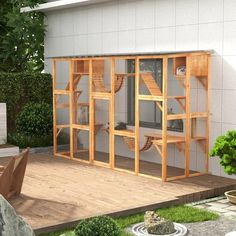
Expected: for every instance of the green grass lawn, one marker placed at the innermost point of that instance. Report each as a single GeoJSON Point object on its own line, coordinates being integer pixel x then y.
{"type": "Point", "coordinates": [178, 214]}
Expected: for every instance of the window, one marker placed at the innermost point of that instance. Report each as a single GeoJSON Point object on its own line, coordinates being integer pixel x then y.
{"type": "Point", "coordinates": [150, 115]}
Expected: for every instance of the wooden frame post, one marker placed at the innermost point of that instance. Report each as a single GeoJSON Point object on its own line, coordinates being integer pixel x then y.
{"type": "Point", "coordinates": [137, 113]}
{"type": "Point", "coordinates": [91, 114]}
{"type": "Point", "coordinates": [54, 74]}
{"type": "Point", "coordinates": [71, 107]}
{"type": "Point", "coordinates": [112, 116]}
{"type": "Point", "coordinates": [187, 119]}
{"type": "Point", "coordinates": [208, 114]}
{"type": "Point", "coordinates": [164, 118]}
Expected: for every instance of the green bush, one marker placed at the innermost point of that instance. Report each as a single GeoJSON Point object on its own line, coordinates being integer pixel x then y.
{"type": "Point", "coordinates": [98, 226]}
{"type": "Point", "coordinates": [18, 89]}
{"type": "Point", "coordinates": [23, 141]}
{"type": "Point", "coordinates": [225, 148]}
{"type": "Point", "coordinates": [35, 119]}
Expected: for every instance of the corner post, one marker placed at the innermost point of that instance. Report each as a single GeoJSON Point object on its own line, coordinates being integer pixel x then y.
{"type": "Point", "coordinates": [91, 114]}
{"type": "Point", "coordinates": [164, 118]}
{"type": "Point", "coordinates": [54, 107]}
{"type": "Point", "coordinates": [71, 106]}
{"type": "Point", "coordinates": [137, 113]}
{"type": "Point", "coordinates": [112, 116]}
{"type": "Point", "coordinates": [187, 120]}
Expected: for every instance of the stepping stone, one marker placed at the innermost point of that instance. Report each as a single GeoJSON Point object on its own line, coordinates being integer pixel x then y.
{"type": "Point", "coordinates": [231, 208]}
{"type": "Point", "coordinates": [218, 210]}
{"type": "Point", "coordinates": [224, 201]}
{"type": "Point", "coordinates": [230, 213]}
{"type": "Point", "coordinates": [217, 205]}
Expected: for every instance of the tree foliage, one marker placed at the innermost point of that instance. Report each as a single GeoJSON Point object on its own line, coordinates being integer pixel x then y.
{"type": "Point", "coordinates": [21, 37]}
{"type": "Point", "coordinates": [18, 89]}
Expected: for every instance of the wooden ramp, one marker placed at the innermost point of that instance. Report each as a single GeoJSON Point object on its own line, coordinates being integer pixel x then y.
{"type": "Point", "coordinates": [58, 192]}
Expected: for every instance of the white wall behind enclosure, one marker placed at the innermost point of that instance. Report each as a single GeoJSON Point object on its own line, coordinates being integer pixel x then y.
{"type": "Point", "coordinates": [157, 25]}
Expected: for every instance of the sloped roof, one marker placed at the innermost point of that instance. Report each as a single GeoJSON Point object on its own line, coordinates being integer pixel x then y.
{"type": "Point", "coordinates": [61, 4]}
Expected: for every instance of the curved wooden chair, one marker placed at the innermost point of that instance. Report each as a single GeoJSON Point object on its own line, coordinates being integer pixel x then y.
{"type": "Point", "coordinates": [12, 175]}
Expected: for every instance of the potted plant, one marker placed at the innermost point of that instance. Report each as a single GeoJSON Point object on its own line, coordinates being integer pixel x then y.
{"type": "Point", "coordinates": [225, 149]}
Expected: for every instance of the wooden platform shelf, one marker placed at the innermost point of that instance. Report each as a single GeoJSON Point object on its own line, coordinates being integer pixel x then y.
{"type": "Point", "coordinates": [185, 66]}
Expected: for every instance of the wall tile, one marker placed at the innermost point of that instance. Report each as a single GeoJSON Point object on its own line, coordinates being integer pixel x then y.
{"type": "Point", "coordinates": [215, 132]}
{"type": "Point", "coordinates": [216, 72]}
{"type": "Point", "coordinates": [145, 14]}
{"type": "Point", "coordinates": [94, 20]}
{"type": "Point", "coordinates": [80, 19]}
{"type": "Point", "coordinates": [229, 38]}
{"type": "Point", "coordinates": [228, 106]}
{"type": "Point", "coordinates": [110, 42]}
{"type": "Point", "coordinates": [229, 72]}
{"type": "Point", "coordinates": [94, 44]}
{"type": "Point", "coordinates": [126, 16]}
{"type": "Point", "coordinates": [165, 39]}
{"type": "Point", "coordinates": [126, 41]}
{"type": "Point", "coordinates": [211, 37]}
{"type": "Point", "coordinates": [210, 11]}
{"type": "Point", "coordinates": [187, 38]}
{"type": "Point", "coordinates": [226, 127]}
{"type": "Point", "coordinates": [186, 12]}
{"type": "Point", "coordinates": [110, 18]}
{"type": "Point", "coordinates": [216, 104]}
{"type": "Point", "coordinates": [52, 20]}
{"type": "Point", "coordinates": [229, 10]}
{"type": "Point", "coordinates": [165, 13]}
{"type": "Point", "coordinates": [145, 40]}
{"type": "Point", "coordinates": [66, 24]}
{"type": "Point", "coordinates": [80, 45]}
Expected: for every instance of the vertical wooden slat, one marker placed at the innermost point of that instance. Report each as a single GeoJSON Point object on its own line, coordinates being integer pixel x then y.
{"type": "Point", "coordinates": [75, 110]}
{"type": "Point", "coordinates": [193, 127]}
{"type": "Point", "coordinates": [164, 118]}
{"type": "Point", "coordinates": [91, 114]}
{"type": "Point", "coordinates": [54, 74]}
{"type": "Point", "coordinates": [71, 106]}
{"type": "Point", "coordinates": [112, 116]}
{"type": "Point", "coordinates": [187, 120]}
{"type": "Point", "coordinates": [137, 113]}
{"type": "Point", "coordinates": [208, 111]}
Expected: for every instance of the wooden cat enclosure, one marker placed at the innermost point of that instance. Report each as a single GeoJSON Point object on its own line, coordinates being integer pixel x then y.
{"type": "Point", "coordinates": [185, 67]}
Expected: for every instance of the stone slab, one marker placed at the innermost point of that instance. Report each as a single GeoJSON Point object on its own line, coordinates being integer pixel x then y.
{"type": "Point", "coordinates": [8, 150]}
{"type": "Point", "coordinates": [3, 123]}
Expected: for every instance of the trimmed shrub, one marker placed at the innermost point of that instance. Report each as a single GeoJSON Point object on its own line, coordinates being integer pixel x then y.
{"type": "Point", "coordinates": [98, 226]}
{"type": "Point", "coordinates": [18, 89]}
{"type": "Point", "coordinates": [225, 148]}
{"type": "Point", "coordinates": [35, 119]}
{"type": "Point", "coordinates": [24, 141]}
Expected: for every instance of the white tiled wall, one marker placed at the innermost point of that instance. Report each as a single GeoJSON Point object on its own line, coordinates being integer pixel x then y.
{"type": "Point", "coordinates": [158, 25]}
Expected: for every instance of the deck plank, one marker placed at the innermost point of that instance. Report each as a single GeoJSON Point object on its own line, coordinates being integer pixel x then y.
{"type": "Point", "coordinates": [57, 192]}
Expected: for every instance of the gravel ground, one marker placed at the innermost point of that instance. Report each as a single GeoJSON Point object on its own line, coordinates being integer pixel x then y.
{"type": "Point", "coordinates": [209, 228]}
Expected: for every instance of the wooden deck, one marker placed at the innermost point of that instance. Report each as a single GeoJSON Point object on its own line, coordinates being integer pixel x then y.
{"type": "Point", "coordinates": [58, 192]}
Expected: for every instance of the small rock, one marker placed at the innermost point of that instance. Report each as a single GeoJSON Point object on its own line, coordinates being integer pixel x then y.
{"type": "Point", "coordinates": [10, 223]}
{"type": "Point", "coordinates": [157, 225]}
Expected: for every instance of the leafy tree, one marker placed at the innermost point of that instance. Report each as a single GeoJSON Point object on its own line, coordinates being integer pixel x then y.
{"type": "Point", "coordinates": [21, 37]}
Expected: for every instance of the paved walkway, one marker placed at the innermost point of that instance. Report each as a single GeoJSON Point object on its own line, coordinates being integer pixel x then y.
{"type": "Point", "coordinates": [220, 205]}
